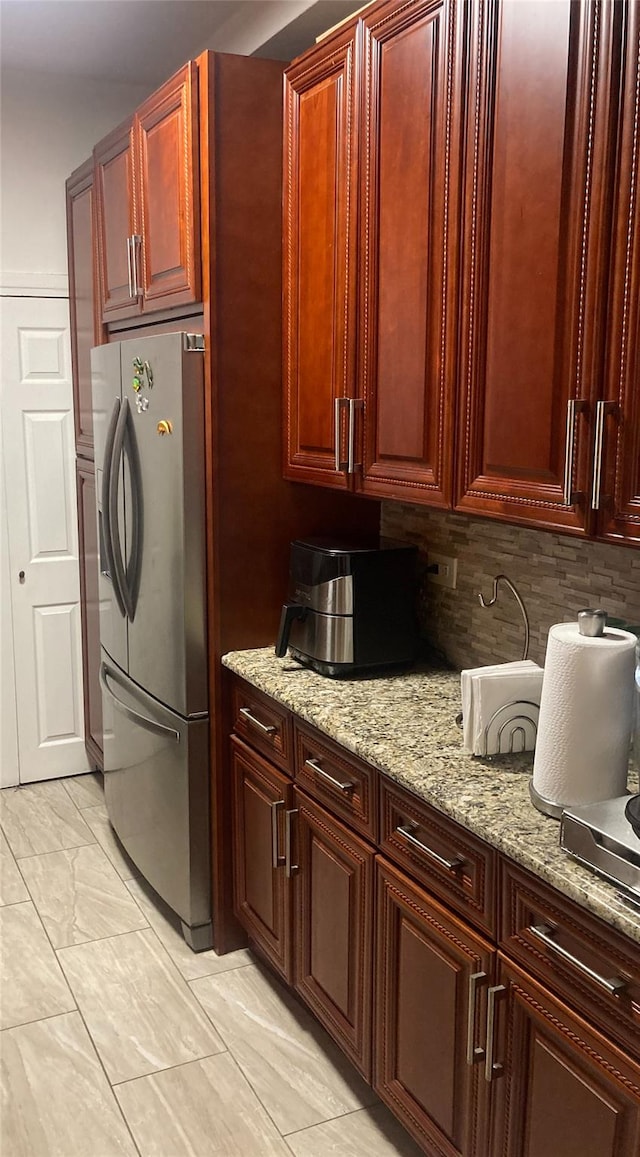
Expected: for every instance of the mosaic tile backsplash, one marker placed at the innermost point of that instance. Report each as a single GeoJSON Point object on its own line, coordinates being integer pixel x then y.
{"type": "Point", "coordinates": [556, 576]}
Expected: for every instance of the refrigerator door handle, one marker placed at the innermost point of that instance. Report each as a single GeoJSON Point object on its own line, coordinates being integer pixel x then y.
{"type": "Point", "coordinates": [135, 716]}
{"type": "Point", "coordinates": [134, 565]}
{"type": "Point", "coordinates": [106, 519]}
{"type": "Point", "coordinates": [119, 573]}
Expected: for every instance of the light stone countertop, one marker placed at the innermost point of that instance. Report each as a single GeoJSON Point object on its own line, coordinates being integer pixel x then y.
{"type": "Point", "coordinates": [404, 724]}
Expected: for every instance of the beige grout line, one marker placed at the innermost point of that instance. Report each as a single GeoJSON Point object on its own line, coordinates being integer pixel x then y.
{"type": "Point", "coordinates": [169, 1068]}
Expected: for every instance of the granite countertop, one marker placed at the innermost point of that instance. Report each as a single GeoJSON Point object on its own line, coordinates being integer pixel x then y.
{"type": "Point", "coordinates": [404, 724]}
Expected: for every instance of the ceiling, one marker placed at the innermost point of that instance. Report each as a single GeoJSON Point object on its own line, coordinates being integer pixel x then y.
{"type": "Point", "coordinates": [144, 41]}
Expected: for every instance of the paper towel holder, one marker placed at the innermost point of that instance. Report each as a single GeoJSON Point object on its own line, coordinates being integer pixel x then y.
{"type": "Point", "coordinates": [502, 578]}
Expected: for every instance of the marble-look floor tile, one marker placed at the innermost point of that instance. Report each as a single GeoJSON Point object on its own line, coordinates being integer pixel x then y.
{"type": "Point", "coordinates": [56, 1100]}
{"type": "Point", "coordinates": [138, 1009]}
{"type": "Point", "coordinates": [167, 925]}
{"type": "Point", "coordinates": [12, 887]}
{"type": "Point", "coordinates": [367, 1133]}
{"type": "Point", "coordinates": [300, 1076]}
{"type": "Point", "coordinates": [40, 817]}
{"type": "Point", "coordinates": [98, 821]}
{"type": "Point", "coordinates": [204, 1109]}
{"type": "Point", "coordinates": [80, 896]}
{"type": "Point", "coordinates": [85, 790]}
{"type": "Point", "coordinates": [31, 983]}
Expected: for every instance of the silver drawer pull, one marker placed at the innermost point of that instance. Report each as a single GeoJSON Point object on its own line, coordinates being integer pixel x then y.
{"type": "Point", "coordinates": [289, 868]}
{"type": "Point", "coordinates": [276, 859]}
{"type": "Point", "coordinates": [474, 1052]}
{"type": "Point", "coordinates": [407, 831]}
{"type": "Point", "coordinates": [265, 727]}
{"type": "Point", "coordinates": [544, 932]}
{"type": "Point", "coordinates": [492, 1068]}
{"type": "Point", "coordinates": [315, 767]}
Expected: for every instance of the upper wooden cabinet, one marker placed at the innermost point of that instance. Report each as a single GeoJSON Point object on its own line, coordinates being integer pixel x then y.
{"type": "Point", "coordinates": [85, 324]}
{"type": "Point", "coordinates": [147, 189]}
{"type": "Point", "coordinates": [616, 487]}
{"type": "Point", "coordinates": [373, 122]}
{"type": "Point", "coordinates": [320, 215]}
{"type": "Point", "coordinates": [463, 273]}
{"type": "Point", "coordinates": [536, 225]}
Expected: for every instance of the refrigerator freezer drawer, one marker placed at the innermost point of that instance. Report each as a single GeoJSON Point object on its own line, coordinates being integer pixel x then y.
{"type": "Point", "coordinates": [157, 795]}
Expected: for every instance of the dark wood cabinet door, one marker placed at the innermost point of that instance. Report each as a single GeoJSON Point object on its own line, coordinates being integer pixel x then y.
{"type": "Point", "coordinates": [618, 495]}
{"type": "Point", "coordinates": [410, 145]}
{"type": "Point", "coordinates": [262, 900]}
{"type": "Point", "coordinates": [83, 298]}
{"type": "Point", "coordinates": [334, 928]}
{"type": "Point", "coordinates": [167, 151]}
{"type": "Point", "coordinates": [117, 221]}
{"type": "Point", "coordinates": [320, 216]}
{"type": "Point", "coordinates": [89, 609]}
{"type": "Point", "coordinates": [562, 1089]}
{"type": "Point", "coordinates": [536, 235]}
{"type": "Point", "coordinates": [425, 958]}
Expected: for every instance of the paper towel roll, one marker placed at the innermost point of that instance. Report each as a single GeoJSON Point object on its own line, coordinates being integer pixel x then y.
{"type": "Point", "coordinates": [586, 713]}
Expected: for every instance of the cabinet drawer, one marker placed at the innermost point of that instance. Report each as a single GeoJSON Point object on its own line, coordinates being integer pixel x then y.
{"type": "Point", "coordinates": [340, 781]}
{"type": "Point", "coordinates": [263, 723]}
{"type": "Point", "coordinates": [590, 965]}
{"type": "Point", "coordinates": [443, 856]}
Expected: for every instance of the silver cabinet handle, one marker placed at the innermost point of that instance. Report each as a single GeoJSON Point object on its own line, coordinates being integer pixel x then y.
{"type": "Point", "coordinates": [354, 404]}
{"type": "Point", "coordinates": [264, 727]}
{"type": "Point", "coordinates": [136, 242]}
{"type": "Point", "coordinates": [544, 932]}
{"type": "Point", "coordinates": [130, 267]}
{"type": "Point", "coordinates": [338, 405]}
{"type": "Point", "coordinates": [492, 1068]}
{"type": "Point", "coordinates": [276, 859]}
{"type": "Point", "coordinates": [575, 406]}
{"type": "Point", "coordinates": [602, 409]}
{"type": "Point", "coordinates": [289, 868]}
{"type": "Point", "coordinates": [474, 1052]}
{"type": "Point", "coordinates": [407, 830]}
{"type": "Point", "coordinates": [316, 767]}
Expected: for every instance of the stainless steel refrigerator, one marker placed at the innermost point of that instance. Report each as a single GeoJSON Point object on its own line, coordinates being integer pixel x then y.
{"type": "Point", "coordinates": [148, 403]}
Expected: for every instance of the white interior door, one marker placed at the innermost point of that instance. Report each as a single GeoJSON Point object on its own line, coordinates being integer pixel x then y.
{"type": "Point", "coordinates": [43, 542]}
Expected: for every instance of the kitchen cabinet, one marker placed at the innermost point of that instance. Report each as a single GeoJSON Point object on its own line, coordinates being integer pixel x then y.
{"type": "Point", "coordinates": [303, 890]}
{"type": "Point", "coordinates": [616, 482]}
{"type": "Point", "coordinates": [86, 331]}
{"type": "Point", "coordinates": [333, 884]}
{"type": "Point", "coordinates": [148, 208]}
{"type": "Point", "coordinates": [462, 274]}
{"type": "Point", "coordinates": [558, 1085]}
{"type": "Point", "coordinates": [320, 217]}
{"type": "Point", "coordinates": [89, 607]}
{"type": "Point", "coordinates": [372, 180]}
{"type": "Point", "coordinates": [261, 797]}
{"type": "Point", "coordinates": [431, 972]}
{"type": "Point", "coordinates": [482, 1037]}
{"type": "Point", "coordinates": [83, 298]}
{"type": "Point", "coordinates": [539, 143]}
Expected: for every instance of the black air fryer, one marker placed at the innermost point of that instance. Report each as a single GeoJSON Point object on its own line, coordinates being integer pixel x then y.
{"type": "Point", "coordinates": [352, 605]}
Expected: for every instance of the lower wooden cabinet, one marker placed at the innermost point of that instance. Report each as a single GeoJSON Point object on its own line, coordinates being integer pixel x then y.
{"type": "Point", "coordinates": [475, 1056]}
{"type": "Point", "coordinates": [334, 927]}
{"type": "Point", "coordinates": [560, 1088]}
{"type": "Point", "coordinates": [303, 887]}
{"type": "Point", "coordinates": [89, 609]}
{"type": "Point", "coordinates": [428, 1024]}
{"type": "Point", "coordinates": [262, 901]}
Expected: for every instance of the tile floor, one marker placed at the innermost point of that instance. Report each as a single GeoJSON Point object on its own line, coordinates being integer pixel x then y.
{"type": "Point", "coordinates": [117, 1040]}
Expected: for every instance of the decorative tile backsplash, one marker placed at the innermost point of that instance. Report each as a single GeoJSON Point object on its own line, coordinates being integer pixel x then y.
{"type": "Point", "coordinates": [555, 574]}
